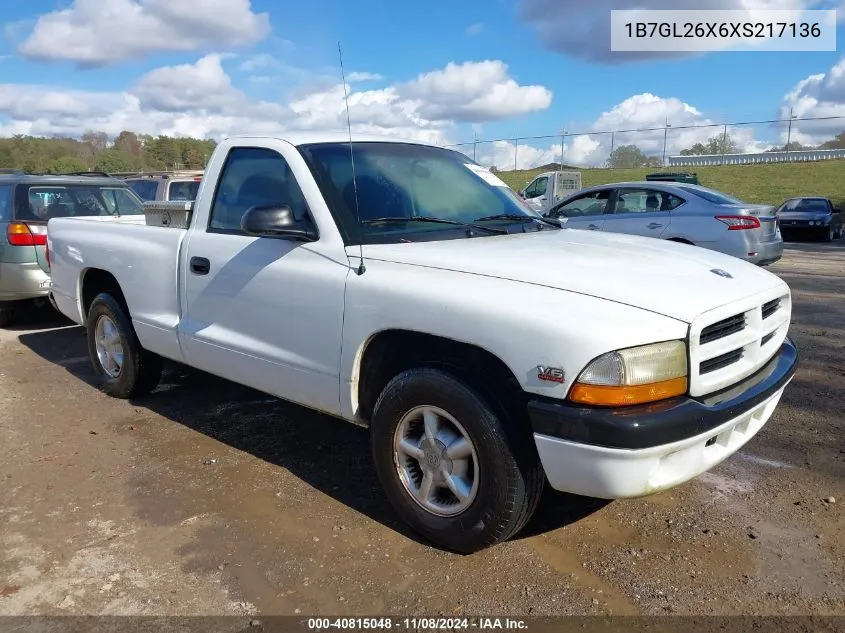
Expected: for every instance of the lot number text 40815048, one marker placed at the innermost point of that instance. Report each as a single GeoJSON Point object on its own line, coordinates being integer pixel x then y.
{"type": "Point", "coordinates": [415, 624]}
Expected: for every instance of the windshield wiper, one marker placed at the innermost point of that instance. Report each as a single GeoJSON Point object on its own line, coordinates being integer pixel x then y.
{"type": "Point", "coordinates": [420, 218]}
{"type": "Point", "coordinates": [517, 217]}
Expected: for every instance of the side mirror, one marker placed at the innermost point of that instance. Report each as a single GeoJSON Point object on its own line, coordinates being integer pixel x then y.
{"type": "Point", "coordinates": [837, 210]}
{"type": "Point", "coordinates": [277, 222]}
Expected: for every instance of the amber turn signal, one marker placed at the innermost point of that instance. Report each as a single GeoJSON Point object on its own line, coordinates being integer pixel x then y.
{"type": "Point", "coordinates": [626, 395]}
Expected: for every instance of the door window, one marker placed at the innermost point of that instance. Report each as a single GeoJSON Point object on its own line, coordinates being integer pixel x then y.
{"type": "Point", "coordinates": [254, 177]}
{"type": "Point", "coordinates": [589, 204]}
{"type": "Point", "coordinates": [537, 188]}
{"type": "Point", "coordinates": [644, 201]}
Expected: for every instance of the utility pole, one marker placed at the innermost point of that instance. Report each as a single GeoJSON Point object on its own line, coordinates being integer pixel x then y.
{"type": "Point", "coordinates": [515, 151]}
{"type": "Point", "coordinates": [474, 143]}
{"type": "Point", "coordinates": [562, 140]}
{"type": "Point", "coordinates": [724, 143]}
{"type": "Point", "coordinates": [789, 132]}
{"type": "Point", "coordinates": [665, 134]}
{"type": "Point", "coordinates": [612, 147]}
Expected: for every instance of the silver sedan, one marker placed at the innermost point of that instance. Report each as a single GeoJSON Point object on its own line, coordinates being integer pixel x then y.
{"type": "Point", "coordinates": [680, 212]}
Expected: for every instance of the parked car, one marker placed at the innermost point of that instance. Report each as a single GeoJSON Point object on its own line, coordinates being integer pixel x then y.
{"type": "Point", "coordinates": [486, 350]}
{"type": "Point", "coordinates": [165, 185]}
{"type": "Point", "coordinates": [27, 202]}
{"type": "Point", "coordinates": [549, 188]}
{"type": "Point", "coordinates": [810, 215]}
{"type": "Point", "coordinates": [678, 212]}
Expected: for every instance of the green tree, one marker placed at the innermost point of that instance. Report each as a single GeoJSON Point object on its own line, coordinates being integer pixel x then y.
{"type": "Point", "coordinates": [113, 160]}
{"type": "Point", "coordinates": [67, 164]}
{"type": "Point", "coordinates": [716, 144]}
{"type": "Point", "coordinates": [629, 157]}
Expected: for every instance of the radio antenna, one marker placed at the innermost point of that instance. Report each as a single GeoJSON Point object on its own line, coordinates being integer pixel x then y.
{"type": "Point", "coordinates": [361, 267]}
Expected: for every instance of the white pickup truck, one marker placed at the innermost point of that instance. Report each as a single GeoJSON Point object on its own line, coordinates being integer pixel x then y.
{"type": "Point", "coordinates": [486, 350]}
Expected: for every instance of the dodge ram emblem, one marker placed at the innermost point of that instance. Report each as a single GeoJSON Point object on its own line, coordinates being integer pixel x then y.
{"type": "Point", "coordinates": [550, 374]}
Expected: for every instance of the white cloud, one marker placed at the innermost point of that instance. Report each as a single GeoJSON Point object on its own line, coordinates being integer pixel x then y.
{"type": "Point", "coordinates": [474, 91]}
{"type": "Point", "coordinates": [582, 29]}
{"type": "Point", "coordinates": [102, 32]}
{"type": "Point", "coordinates": [199, 99]}
{"type": "Point", "coordinates": [819, 95]}
{"type": "Point", "coordinates": [360, 77]}
{"type": "Point", "coordinates": [203, 85]}
{"type": "Point", "coordinates": [475, 29]}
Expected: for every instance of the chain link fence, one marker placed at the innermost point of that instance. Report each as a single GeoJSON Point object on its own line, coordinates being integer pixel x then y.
{"type": "Point", "coordinates": [669, 145]}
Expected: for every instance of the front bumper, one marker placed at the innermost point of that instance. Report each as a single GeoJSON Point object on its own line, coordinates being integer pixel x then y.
{"type": "Point", "coordinates": [640, 450]}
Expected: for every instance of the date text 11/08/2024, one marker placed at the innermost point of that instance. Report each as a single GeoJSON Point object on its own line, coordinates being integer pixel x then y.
{"type": "Point", "coordinates": [415, 624]}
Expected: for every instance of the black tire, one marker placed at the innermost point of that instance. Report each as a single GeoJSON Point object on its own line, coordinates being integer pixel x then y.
{"type": "Point", "coordinates": [140, 371]}
{"type": "Point", "coordinates": [7, 317]}
{"type": "Point", "coordinates": [510, 477]}
{"type": "Point", "coordinates": [828, 235]}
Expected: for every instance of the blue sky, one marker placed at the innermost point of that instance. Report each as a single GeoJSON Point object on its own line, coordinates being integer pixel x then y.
{"type": "Point", "coordinates": [215, 67]}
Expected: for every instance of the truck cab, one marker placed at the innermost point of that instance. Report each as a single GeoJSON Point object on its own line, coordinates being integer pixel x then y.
{"type": "Point", "coordinates": [549, 188]}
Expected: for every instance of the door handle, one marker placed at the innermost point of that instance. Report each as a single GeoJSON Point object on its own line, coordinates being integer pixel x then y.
{"type": "Point", "coordinates": [592, 227]}
{"type": "Point", "coordinates": [654, 225]}
{"type": "Point", "coordinates": [200, 265]}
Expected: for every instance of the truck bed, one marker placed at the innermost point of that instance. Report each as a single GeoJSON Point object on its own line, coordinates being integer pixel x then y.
{"type": "Point", "coordinates": [144, 260]}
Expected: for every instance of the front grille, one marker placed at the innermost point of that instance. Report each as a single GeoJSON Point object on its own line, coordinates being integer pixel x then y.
{"type": "Point", "coordinates": [731, 342]}
{"type": "Point", "coordinates": [719, 362]}
{"type": "Point", "coordinates": [723, 328]}
{"type": "Point", "coordinates": [770, 307]}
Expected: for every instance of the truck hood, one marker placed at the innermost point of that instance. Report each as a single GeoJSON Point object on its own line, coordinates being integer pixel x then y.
{"type": "Point", "coordinates": [672, 279]}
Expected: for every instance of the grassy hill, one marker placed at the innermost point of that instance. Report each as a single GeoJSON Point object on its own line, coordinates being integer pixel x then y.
{"type": "Point", "coordinates": [765, 184]}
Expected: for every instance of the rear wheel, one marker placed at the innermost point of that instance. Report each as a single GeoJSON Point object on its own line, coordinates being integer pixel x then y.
{"type": "Point", "coordinates": [461, 474]}
{"type": "Point", "coordinates": [124, 368]}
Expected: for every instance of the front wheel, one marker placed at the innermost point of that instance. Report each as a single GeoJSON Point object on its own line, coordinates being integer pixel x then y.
{"type": "Point", "coordinates": [123, 367]}
{"type": "Point", "coordinates": [829, 234]}
{"type": "Point", "coordinates": [461, 474]}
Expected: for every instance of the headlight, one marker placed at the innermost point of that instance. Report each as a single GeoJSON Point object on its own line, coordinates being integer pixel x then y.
{"type": "Point", "coordinates": [633, 376]}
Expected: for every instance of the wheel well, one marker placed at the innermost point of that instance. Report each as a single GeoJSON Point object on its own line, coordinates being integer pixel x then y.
{"type": "Point", "coordinates": [391, 352]}
{"type": "Point", "coordinates": [96, 281]}
{"type": "Point", "coordinates": [680, 240]}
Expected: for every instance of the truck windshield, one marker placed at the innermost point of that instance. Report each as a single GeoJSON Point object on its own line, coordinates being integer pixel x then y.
{"type": "Point", "coordinates": [35, 203]}
{"type": "Point", "coordinates": [404, 180]}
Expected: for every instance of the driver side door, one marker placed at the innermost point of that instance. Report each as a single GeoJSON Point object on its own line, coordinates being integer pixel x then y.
{"type": "Point", "coordinates": [586, 211]}
{"type": "Point", "coordinates": [265, 312]}
{"type": "Point", "coordinates": [535, 193]}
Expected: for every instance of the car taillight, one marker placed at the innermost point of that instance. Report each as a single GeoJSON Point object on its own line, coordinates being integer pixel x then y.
{"type": "Point", "coordinates": [739, 222]}
{"type": "Point", "coordinates": [22, 234]}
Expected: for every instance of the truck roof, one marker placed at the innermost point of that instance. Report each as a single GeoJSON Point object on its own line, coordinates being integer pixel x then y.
{"type": "Point", "coordinates": [338, 136]}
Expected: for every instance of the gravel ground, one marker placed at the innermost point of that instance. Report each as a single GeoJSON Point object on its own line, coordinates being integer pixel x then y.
{"type": "Point", "coordinates": [211, 499]}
